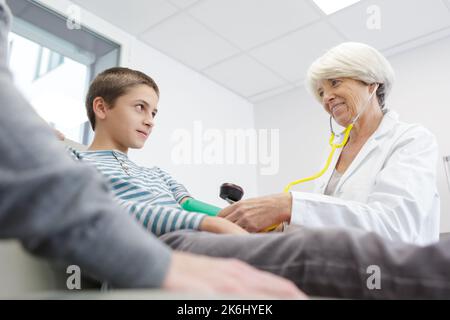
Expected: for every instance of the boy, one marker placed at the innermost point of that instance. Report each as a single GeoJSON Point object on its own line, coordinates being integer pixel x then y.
{"type": "Point", "coordinates": [121, 105]}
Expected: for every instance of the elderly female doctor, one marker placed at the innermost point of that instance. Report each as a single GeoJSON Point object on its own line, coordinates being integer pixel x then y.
{"type": "Point", "coordinates": [382, 180]}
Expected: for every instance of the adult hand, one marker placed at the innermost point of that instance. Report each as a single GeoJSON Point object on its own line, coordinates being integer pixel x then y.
{"type": "Point", "coordinates": [205, 275]}
{"type": "Point", "coordinates": [258, 214]}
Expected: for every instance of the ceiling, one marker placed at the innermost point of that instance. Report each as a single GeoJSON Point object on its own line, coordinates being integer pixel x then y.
{"type": "Point", "coordinates": [261, 48]}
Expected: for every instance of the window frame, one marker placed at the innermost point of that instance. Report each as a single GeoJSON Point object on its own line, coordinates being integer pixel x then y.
{"type": "Point", "coordinates": [48, 28]}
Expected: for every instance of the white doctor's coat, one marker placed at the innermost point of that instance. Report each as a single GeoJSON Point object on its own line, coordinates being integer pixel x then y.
{"type": "Point", "coordinates": [389, 188]}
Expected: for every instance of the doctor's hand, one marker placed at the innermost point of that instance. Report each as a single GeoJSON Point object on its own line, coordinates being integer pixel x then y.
{"type": "Point", "coordinates": [258, 214]}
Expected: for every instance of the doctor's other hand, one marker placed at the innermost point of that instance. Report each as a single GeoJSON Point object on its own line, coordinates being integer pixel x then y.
{"type": "Point", "coordinates": [192, 273]}
{"type": "Point", "coordinates": [258, 214]}
{"type": "Point", "coordinates": [220, 225]}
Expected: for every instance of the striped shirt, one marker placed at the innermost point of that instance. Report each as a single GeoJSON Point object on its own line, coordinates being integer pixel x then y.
{"type": "Point", "coordinates": [150, 195]}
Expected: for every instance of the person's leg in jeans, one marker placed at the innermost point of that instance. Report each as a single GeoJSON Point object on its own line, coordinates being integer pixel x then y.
{"type": "Point", "coordinates": [334, 263]}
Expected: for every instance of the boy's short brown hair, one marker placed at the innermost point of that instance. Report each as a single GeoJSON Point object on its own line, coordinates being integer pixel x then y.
{"type": "Point", "coordinates": [112, 84]}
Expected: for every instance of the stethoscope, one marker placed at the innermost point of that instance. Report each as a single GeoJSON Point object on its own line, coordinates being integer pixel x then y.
{"type": "Point", "coordinates": [333, 144]}
{"type": "Point", "coordinates": [334, 147]}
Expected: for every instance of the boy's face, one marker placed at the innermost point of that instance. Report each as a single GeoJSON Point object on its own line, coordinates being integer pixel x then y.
{"type": "Point", "coordinates": [130, 122]}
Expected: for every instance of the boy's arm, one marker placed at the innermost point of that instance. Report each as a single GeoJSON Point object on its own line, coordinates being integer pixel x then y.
{"type": "Point", "coordinates": [159, 219]}
{"type": "Point", "coordinates": [184, 199]}
{"type": "Point", "coordinates": [178, 190]}
{"type": "Point", "coordinates": [210, 224]}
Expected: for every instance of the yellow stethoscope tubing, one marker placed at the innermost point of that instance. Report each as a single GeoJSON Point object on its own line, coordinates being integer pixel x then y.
{"type": "Point", "coordinates": [334, 146]}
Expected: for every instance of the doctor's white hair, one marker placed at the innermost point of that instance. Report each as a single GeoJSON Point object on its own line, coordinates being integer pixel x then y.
{"type": "Point", "coordinates": [353, 60]}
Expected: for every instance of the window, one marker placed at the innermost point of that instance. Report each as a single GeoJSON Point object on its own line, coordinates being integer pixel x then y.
{"type": "Point", "coordinates": [47, 61]}
{"type": "Point", "coordinates": [54, 85]}
{"type": "Point", "coordinates": [53, 65]}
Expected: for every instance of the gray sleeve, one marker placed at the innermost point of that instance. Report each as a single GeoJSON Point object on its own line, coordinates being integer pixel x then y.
{"type": "Point", "coordinates": [60, 209]}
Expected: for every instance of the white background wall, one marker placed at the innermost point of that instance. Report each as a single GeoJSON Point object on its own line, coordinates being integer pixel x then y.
{"type": "Point", "coordinates": [186, 96]}
{"type": "Point", "coordinates": [421, 94]}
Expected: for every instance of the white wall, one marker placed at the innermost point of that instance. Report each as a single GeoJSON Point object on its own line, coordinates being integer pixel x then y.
{"type": "Point", "coordinates": [421, 94]}
{"type": "Point", "coordinates": [186, 96]}
{"type": "Point", "coordinates": [303, 130]}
